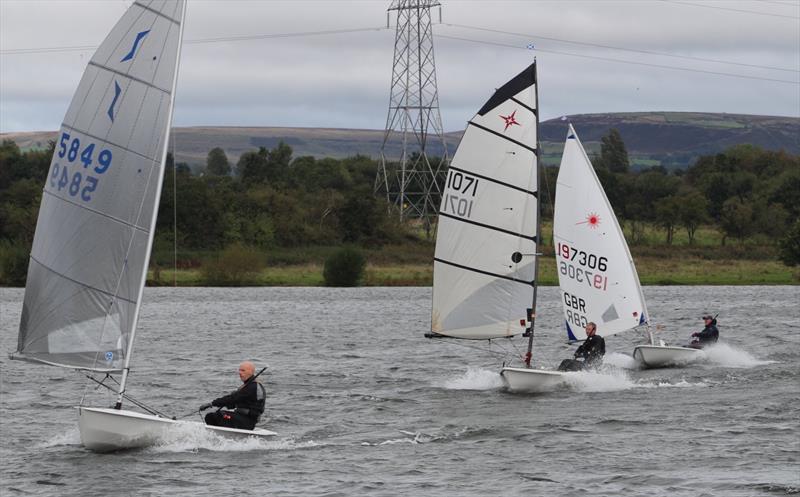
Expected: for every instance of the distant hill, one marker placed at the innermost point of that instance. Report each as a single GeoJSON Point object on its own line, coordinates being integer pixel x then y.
{"type": "Point", "coordinates": [670, 139]}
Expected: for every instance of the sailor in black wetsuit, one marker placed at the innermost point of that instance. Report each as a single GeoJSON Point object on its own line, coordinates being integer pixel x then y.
{"type": "Point", "coordinates": [247, 402]}
{"type": "Point", "coordinates": [708, 336]}
{"type": "Point", "coordinates": [591, 351]}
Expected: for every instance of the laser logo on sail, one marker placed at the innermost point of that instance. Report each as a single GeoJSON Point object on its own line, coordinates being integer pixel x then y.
{"type": "Point", "coordinates": [592, 219]}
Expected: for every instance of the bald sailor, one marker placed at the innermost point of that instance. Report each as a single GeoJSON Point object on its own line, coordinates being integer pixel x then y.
{"type": "Point", "coordinates": [247, 402]}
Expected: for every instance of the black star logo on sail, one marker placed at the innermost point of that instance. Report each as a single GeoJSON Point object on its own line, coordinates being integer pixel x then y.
{"type": "Point", "coordinates": [510, 120]}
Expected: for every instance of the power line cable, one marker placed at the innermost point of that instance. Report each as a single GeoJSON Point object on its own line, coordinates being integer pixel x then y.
{"type": "Point", "coordinates": [471, 40]}
{"type": "Point", "coordinates": [621, 61]}
{"type": "Point", "coordinates": [18, 51]}
{"type": "Point", "coordinates": [754, 12]}
{"type": "Point", "coordinates": [777, 2]}
{"type": "Point", "coordinates": [611, 47]}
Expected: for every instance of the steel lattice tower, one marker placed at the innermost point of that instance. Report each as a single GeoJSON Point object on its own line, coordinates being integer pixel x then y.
{"type": "Point", "coordinates": [413, 184]}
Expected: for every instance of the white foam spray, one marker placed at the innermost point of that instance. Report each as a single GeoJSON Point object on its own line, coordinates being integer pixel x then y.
{"type": "Point", "coordinates": [619, 360]}
{"type": "Point", "coordinates": [193, 437]}
{"type": "Point", "coordinates": [473, 379]}
{"type": "Point", "coordinates": [727, 355]}
{"type": "Point", "coordinates": [610, 380]}
{"type": "Point", "coordinates": [72, 436]}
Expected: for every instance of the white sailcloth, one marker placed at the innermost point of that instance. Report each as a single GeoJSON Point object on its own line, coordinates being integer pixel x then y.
{"type": "Point", "coordinates": [94, 232]}
{"type": "Point", "coordinates": [596, 272]}
{"type": "Point", "coordinates": [489, 213]}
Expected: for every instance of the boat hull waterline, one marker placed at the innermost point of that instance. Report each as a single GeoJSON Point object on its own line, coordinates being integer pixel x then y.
{"type": "Point", "coordinates": [534, 380]}
{"type": "Point", "coordinates": [107, 430]}
{"type": "Point", "coordinates": [657, 356]}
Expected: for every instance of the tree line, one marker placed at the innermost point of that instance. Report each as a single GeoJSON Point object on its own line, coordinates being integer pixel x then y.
{"type": "Point", "coordinates": [269, 198]}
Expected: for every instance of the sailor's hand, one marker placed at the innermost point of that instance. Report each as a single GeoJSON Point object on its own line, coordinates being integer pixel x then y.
{"type": "Point", "coordinates": [205, 406]}
{"type": "Point", "coordinates": [694, 334]}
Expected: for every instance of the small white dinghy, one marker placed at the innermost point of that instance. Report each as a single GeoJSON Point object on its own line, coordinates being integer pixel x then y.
{"type": "Point", "coordinates": [91, 250]}
{"type": "Point", "coordinates": [485, 267]}
{"type": "Point", "coordinates": [107, 430]}
{"type": "Point", "coordinates": [596, 272]}
{"type": "Point", "coordinates": [661, 356]}
{"type": "Point", "coordinates": [534, 380]}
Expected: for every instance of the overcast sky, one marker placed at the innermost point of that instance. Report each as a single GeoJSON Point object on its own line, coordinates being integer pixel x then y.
{"type": "Point", "coordinates": [342, 80]}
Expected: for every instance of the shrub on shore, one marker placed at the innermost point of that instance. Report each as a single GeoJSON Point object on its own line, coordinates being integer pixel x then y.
{"type": "Point", "coordinates": [344, 268]}
{"type": "Point", "coordinates": [237, 265]}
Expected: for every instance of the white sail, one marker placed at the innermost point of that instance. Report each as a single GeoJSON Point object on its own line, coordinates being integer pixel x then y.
{"type": "Point", "coordinates": [93, 237]}
{"type": "Point", "coordinates": [489, 213]}
{"type": "Point", "coordinates": [596, 273]}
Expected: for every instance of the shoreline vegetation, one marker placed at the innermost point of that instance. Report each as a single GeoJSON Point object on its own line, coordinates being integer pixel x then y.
{"type": "Point", "coordinates": [274, 219]}
{"type": "Point", "coordinates": [652, 271]}
{"type": "Point", "coordinates": [704, 262]}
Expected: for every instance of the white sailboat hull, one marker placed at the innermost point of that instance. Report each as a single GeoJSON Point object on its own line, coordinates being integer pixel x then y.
{"type": "Point", "coordinates": [107, 430]}
{"type": "Point", "coordinates": [658, 356]}
{"type": "Point", "coordinates": [533, 380]}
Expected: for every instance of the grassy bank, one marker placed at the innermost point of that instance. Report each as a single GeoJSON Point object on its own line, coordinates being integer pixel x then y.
{"type": "Point", "coordinates": [652, 271]}
{"type": "Point", "coordinates": [704, 262]}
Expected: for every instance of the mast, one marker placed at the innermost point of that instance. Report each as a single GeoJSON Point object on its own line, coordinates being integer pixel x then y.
{"type": "Point", "coordinates": [529, 353]}
{"type": "Point", "coordinates": [125, 370]}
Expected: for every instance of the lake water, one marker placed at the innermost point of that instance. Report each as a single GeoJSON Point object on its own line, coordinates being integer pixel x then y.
{"type": "Point", "coordinates": [365, 405]}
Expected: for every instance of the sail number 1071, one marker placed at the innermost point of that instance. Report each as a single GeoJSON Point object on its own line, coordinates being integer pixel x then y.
{"type": "Point", "coordinates": [461, 190]}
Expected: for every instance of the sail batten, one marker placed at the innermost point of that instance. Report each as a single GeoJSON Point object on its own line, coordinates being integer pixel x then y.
{"type": "Point", "coordinates": [94, 232]}
{"type": "Point", "coordinates": [500, 135]}
{"type": "Point", "coordinates": [596, 273]}
{"type": "Point", "coordinates": [132, 78]}
{"type": "Point", "coordinates": [484, 265]}
{"type": "Point", "coordinates": [119, 146]}
{"type": "Point", "coordinates": [495, 181]}
{"type": "Point", "coordinates": [489, 227]}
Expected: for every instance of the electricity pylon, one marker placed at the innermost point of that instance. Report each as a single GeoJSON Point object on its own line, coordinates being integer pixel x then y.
{"type": "Point", "coordinates": [413, 183]}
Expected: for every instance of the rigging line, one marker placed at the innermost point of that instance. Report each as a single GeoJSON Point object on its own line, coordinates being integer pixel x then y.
{"type": "Point", "coordinates": [265, 36]}
{"type": "Point", "coordinates": [174, 212]}
{"type": "Point", "coordinates": [621, 61]}
{"type": "Point", "coordinates": [624, 49]}
{"type": "Point", "coordinates": [461, 343]}
{"type": "Point", "coordinates": [138, 403]}
{"type": "Point", "coordinates": [778, 2]}
{"type": "Point", "coordinates": [730, 9]}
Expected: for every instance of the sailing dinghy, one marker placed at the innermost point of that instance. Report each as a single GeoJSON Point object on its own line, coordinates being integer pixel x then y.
{"type": "Point", "coordinates": [486, 260]}
{"type": "Point", "coordinates": [90, 254]}
{"type": "Point", "coordinates": [596, 272]}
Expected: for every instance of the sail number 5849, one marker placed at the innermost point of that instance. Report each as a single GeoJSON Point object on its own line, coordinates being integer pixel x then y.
{"type": "Point", "coordinates": [76, 182]}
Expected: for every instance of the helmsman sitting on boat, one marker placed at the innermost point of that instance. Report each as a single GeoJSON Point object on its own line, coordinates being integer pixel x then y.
{"type": "Point", "coordinates": [592, 352]}
{"type": "Point", "coordinates": [708, 336]}
{"type": "Point", "coordinates": [247, 402]}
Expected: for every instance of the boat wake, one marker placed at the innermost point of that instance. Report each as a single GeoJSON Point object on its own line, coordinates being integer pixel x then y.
{"type": "Point", "coordinates": [70, 437]}
{"type": "Point", "coordinates": [195, 438]}
{"type": "Point", "coordinates": [619, 360]}
{"type": "Point", "coordinates": [610, 380]}
{"type": "Point", "coordinates": [678, 384]}
{"type": "Point", "coordinates": [473, 379]}
{"type": "Point", "coordinates": [419, 437]}
{"type": "Point", "coordinates": [614, 380]}
{"type": "Point", "coordinates": [723, 354]}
